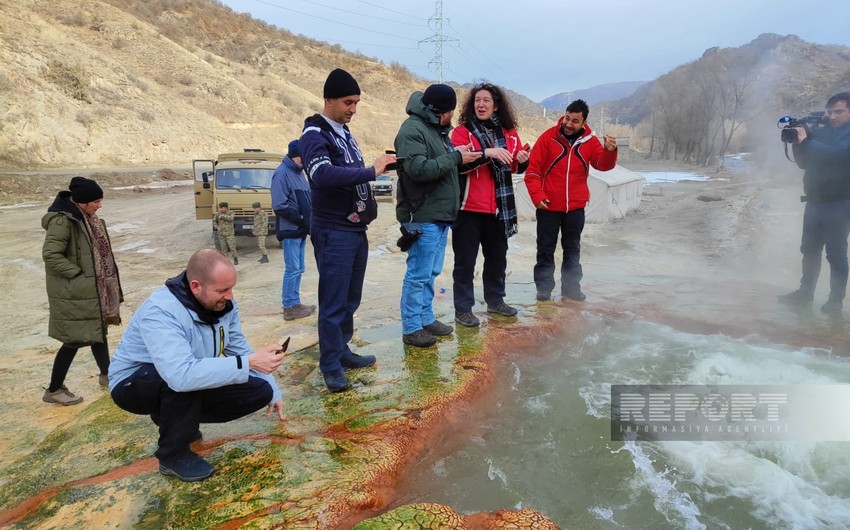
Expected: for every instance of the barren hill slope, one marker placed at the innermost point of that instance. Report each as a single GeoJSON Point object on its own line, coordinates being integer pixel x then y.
{"type": "Point", "coordinates": [125, 82]}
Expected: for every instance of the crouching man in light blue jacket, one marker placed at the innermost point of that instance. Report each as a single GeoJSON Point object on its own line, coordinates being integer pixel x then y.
{"type": "Point", "coordinates": [184, 360]}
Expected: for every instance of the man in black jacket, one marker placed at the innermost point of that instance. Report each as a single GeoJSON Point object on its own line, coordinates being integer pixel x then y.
{"type": "Point", "coordinates": [824, 154]}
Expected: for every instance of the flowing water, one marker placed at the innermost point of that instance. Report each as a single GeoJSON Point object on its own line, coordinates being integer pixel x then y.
{"type": "Point", "coordinates": [545, 441]}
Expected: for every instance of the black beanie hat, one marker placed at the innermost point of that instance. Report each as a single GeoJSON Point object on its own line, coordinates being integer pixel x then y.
{"type": "Point", "coordinates": [340, 84]}
{"type": "Point", "coordinates": [294, 149]}
{"type": "Point", "coordinates": [84, 190]}
{"type": "Point", "coordinates": [439, 98]}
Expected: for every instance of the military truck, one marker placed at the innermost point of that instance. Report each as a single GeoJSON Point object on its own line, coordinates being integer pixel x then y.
{"type": "Point", "coordinates": [240, 179]}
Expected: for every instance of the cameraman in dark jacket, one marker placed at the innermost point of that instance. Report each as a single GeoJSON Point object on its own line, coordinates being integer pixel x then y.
{"type": "Point", "coordinates": [428, 194]}
{"type": "Point", "coordinates": [824, 154]}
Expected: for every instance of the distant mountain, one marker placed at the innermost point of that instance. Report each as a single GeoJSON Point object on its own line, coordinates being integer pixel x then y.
{"type": "Point", "coordinates": [791, 76]}
{"type": "Point", "coordinates": [730, 98]}
{"type": "Point", "coordinates": [593, 95]}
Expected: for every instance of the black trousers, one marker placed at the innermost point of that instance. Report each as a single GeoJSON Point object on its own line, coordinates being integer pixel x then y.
{"type": "Point", "coordinates": [179, 414]}
{"type": "Point", "coordinates": [471, 230]}
{"type": "Point", "coordinates": [570, 225]}
{"type": "Point", "coordinates": [65, 356]}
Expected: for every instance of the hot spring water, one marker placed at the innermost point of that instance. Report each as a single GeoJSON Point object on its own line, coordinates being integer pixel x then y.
{"type": "Point", "coordinates": [545, 444]}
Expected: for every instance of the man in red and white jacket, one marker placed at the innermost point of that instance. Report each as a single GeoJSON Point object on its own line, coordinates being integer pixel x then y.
{"type": "Point", "coordinates": [556, 180]}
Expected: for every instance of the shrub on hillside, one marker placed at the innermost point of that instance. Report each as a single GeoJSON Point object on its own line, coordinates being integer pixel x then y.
{"type": "Point", "coordinates": [73, 80]}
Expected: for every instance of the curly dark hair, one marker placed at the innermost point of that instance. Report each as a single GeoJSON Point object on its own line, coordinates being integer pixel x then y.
{"type": "Point", "coordinates": [504, 109]}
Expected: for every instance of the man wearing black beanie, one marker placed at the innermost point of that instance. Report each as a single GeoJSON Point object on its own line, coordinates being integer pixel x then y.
{"type": "Point", "coordinates": [342, 207]}
{"type": "Point", "coordinates": [428, 199]}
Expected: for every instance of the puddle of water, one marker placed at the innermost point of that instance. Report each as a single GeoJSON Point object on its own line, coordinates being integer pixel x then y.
{"type": "Point", "coordinates": [545, 441]}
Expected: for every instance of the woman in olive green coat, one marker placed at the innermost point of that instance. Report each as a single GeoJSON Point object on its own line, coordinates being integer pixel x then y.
{"type": "Point", "coordinates": [82, 283]}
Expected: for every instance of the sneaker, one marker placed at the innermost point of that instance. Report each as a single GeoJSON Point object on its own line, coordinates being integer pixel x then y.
{"type": "Point", "coordinates": [419, 338]}
{"type": "Point", "coordinates": [352, 361]}
{"type": "Point", "coordinates": [264, 259]}
{"type": "Point", "coordinates": [832, 307]}
{"type": "Point", "coordinates": [186, 466]}
{"type": "Point", "coordinates": [438, 329]}
{"type": "Point", "coordinates": [796, 297]}
{"type": "Point", "coordinates": [336, 381]}
{"type": "Point", "coordinates": [502, 309]}
{"type": "Point", "coordinates": [62, 396]}
{"type": "Point", "coordinates": [103, 379]}
{"type": "Point", "coordinates": [542, 297]}
{"type": "Point", "coordinates": [298, 311]}
{"type": "Point", "coordinates": [574, 293]}
{"type": "Point", "coordinates": [466, 318]}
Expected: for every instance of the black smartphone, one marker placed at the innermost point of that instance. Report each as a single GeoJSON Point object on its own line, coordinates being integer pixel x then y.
{"type": "Point", "coordinates": [285, 345]}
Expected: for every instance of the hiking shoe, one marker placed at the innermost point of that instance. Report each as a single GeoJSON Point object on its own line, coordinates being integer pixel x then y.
{"type": "Point", "coordinates": [502, 309]}
{"type": "Point", "coordinates": [187, 466]}
{"type": "Point", "coordinates": [352, 361]}
{"type": "Point", "coordinates": [419, 338]}
{"type": "Point", "coordinates": [438, 329]}
{"type": "Point", "coordinates": [542, 297]}
{"type": "Point", "coordinates": [832, 307]}
{"type": "Point", "coordinates": [62, 396]}
{"type": "Point", "coordinates": [796, 297]}
{"type": "Point", "coordinates": [336, 381]}
{"type": "Point", "coordinates": [467, 319]}
{"type": "Point", "coordinates": [264, 259]}
{"type": "Point", "coordinates": [103, 379]}
{"type": "Point", "coordinates": [298, 311]}
{"type": "Point", "coordinates": [574, 293]}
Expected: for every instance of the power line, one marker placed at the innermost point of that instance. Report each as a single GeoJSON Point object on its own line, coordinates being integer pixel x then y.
{"type": "Point", "coordinates": [334, 21]}
{"type": "Point", "coordinates": [509, 75]}
{"type": "Point", "coordinates": [390, 10]}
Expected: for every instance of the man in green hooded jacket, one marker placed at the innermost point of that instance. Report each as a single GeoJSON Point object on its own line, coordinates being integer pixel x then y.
{"type": "Point", "coordinates": [428, 201]}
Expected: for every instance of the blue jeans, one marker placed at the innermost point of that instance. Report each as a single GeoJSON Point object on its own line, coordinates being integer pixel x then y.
{"type": "Point", "coordinates": [293, 268]}
{"type": "Point", "coordinates": [424, 264]}
{"type": "Point", "coordinates": [341, 259]}
{"type": "Point", "coordinates": [825, 225]}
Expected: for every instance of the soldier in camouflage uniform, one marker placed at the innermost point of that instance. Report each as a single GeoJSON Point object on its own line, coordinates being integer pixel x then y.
{"type": "Point", "coordinates": [261, 230]}
{"type": "Point", "coordinates": [223, 224]}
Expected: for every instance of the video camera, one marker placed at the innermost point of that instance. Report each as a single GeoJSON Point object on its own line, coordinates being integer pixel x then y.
{"type": "Point", "coordinates": [814, 120]}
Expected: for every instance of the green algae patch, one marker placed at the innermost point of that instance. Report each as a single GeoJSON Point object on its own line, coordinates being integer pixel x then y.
{"type": "Point", "coordinates": [333, 456]}
{"type": "Point", "coordinates": [415, 517]}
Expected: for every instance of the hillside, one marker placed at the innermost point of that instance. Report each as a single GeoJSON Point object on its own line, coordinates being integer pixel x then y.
{"type": "Point", "coordinates": [593, 95]}
{"type": "Point", "coordinates": [127, 82]}
{"type": "Point", "coordinates": [731, 98]}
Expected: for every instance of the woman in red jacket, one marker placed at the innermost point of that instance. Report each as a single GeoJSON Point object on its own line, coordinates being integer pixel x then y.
{"type": "Point", "coordinates": [556, 180]}
{"type": "Point", "coordinates": [487, 216]}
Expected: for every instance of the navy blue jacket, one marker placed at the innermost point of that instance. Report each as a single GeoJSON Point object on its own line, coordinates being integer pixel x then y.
{"type": "Point", "coordinates": [290, 201]}
{"type": "Point", "coordinates": [825, 155]}
{"type": "Point", "coordinates": [339, 180]}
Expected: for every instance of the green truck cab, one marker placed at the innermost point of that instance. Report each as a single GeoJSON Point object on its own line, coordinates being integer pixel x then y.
{"type": "Point", "coordinates": [240, 179]}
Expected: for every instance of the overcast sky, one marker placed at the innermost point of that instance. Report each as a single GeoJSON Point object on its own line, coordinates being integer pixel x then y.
{"type": "Point", "coordinates": [542, 47]}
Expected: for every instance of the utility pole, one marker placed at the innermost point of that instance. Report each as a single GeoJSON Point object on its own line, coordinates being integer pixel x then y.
{"type": "Point", "coordinates": [438, 38]}
{"type": "Point", "coordinates": [602, 123]}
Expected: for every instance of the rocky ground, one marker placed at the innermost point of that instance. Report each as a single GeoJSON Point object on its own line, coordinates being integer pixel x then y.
{"type": "Point", "coordinates": [701, 256]}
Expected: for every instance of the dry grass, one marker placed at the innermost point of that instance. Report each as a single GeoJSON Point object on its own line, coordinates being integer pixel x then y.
{"type": "Point", "coordinates": [192, 71]}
